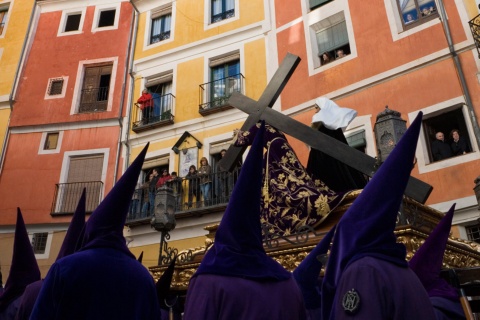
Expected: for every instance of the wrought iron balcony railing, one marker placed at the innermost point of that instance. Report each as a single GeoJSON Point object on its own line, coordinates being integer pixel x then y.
{"type": "Point", "coordinates": [214, 95]}
{"type": "Point", "coordinates": [94, 99]}
{"type": "Point", "coordinates": [155, 113]}
{"type": "Point", "coordinates": [475, 28]}
{"type": "Point", "coordinates": [160, 37]}
{"type": "Point", "coordinates": [223, 15]}
{"type": "Point", "coordinates": [191, 195]}
{"type": "Point", "coordinates": [66, 196]}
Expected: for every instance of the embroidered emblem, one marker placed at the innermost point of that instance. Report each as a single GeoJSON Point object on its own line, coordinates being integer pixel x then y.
{"type": "Point", "coordinates": [351, 302]}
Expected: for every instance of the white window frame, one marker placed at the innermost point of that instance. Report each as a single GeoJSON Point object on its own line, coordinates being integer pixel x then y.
{"type": "Point", "coordinates": [63, 21]}
{"type": "Point", "coordinates": [99, 10]}
{"type": "Point", "coordinates": [64, 88]}
{"type": "Point", "coordinates": [172, 7]}
{"type": "Point", "coordinates": [41, 149]}
{"type": "Point", "coordinates": [208, 15]}
{"type": "Point", "coordinates": [48, 245]}
{"type": "Point", "coordinates": [9, 6]}
{"type": "Point", "coordinates": [318, 20]}
{"type": "Point", "coordinates": [395, 22]}
{"type": "Point", "coordinates": [422, 152]}
{"type": "Point", "coordinates": [77, 92]}
{"type": "Point", "coordinates": [363, 123]}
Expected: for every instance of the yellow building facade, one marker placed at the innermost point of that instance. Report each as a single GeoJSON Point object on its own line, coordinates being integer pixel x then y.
{"type": "Point", "coordinates": [15, 18]}
{"type": "Point", "coordinates": [190, 56]}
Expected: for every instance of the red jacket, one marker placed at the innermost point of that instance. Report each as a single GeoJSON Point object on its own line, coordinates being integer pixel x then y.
{"type": "Point", "coordinates": [145, 100]}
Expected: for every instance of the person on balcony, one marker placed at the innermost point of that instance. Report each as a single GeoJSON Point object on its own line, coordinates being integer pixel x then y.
{"type": "Point", "coordinates": [175, 183]}
{"type": "Point", "coordinates": [162, 180]}
{"type": "Point", "coordinates": [193, 185]}
{"type": "Point", "coordinates": [205, 174]}
{"type": "Point", "coordinates": [146, 105]}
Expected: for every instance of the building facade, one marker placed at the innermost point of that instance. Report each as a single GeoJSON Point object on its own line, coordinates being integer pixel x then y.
{"type": "Point", "coordinates": [66, 125]}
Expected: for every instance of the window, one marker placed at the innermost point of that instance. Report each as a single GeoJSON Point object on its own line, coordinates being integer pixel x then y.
{"type": "Point", "coordinates": [73, 22]}
{"type": "Point", "coordinates": [333, 42]}
{"type": "Point", "coordinates": [162, 99]}
{"type": "Point", "coordinates": [225, 78]}
{"type": "Point", "coordinates": [357, 140]}
{"type": "Point", "coordinates": [51, 141]}
{"type": "Point", "coordinates": [161, 25]}
{"type": "Point", "coordinates": [3, 17]}
{"type": "Point", "coordinates": [107, 18]}
{"type": "Point", "coordinates": [313, 4]}
{"type": "Point", "coordinates": [446, 122]}
{"type": "Point", "coordinates": [473, 232]}
{"type": "Point", "coordinates": [39, 242]}
{"type": "Point", "coordinates": [55, 87]}
{"type": "Point", "coordinates": [84, 171]}
{"type": "Point", "coordinates": [415, 12]}
{"type": "Point", "coordinates": [95, 89]}
{"type": "Point", "coordinates": [222, 9]}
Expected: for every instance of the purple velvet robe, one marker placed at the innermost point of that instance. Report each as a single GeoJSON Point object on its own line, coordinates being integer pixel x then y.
{"type": "Point", "coordinates": [99, 283]}
{"type": "Point", "coordinates": [28, 300]}
{"type": "Point", "coordinates": [446, 309]}
{"type": "Point", "coordinates": [11, 310]}
{"type": "Point", "coordinates": [386, 291]}
{"type": "Point", "coordinates": [223, 297]}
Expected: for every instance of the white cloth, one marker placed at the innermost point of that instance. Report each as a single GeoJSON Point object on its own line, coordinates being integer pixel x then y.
{"type": "Point", "coordinates": [332, 115]}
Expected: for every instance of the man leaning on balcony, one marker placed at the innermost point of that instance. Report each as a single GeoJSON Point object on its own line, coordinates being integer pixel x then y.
{"type": "Point", "coordinates": [146, 105]}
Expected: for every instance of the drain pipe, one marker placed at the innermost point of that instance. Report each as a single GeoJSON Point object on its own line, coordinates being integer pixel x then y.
{"type": "Point", "coordinates": [11, 98]}
{"type": "Point", "coordinates": [132, 80]}
{"type": "Point", "coordinates": [128, 63]}
{"type": "Point", "coordinates": [458, 66]}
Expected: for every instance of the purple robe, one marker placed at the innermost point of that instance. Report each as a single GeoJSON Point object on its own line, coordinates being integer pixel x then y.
{"type": "Point", "coordinates": [224, 297]}
{"type": "Point", "coordinates": [386, 291]}
{"type": "Point", "coordinates": [28, 300]}
{"type": "Point", "coordinates": [99, 283]}
{"type": "Point", "coordinates": [11, 310]}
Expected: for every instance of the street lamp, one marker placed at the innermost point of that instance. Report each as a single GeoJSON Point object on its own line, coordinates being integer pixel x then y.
{"type": "Point", "coordinates": [163, 220]}
{"type": "Point", "coordinates": [389, 128]}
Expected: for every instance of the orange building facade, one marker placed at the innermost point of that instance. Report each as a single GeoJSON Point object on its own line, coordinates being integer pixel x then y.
{"type": "Point", "coordinates": [429, 64]}
{"type": "Point", "coordinates": [67, 118]}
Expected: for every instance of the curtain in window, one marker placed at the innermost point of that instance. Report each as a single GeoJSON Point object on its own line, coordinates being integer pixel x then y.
{"type": "Point", "coordinates": [331, 38]}
{"type": "Point", "coordinates": [217, 7]}
{"type": "Point", "coordinates": [229, 5]}
{"type": "Point", "coordinates": [161, 25]}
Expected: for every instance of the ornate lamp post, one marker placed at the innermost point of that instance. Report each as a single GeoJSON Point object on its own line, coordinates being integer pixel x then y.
{"type": "Point", "coordinates": [389, 128]}
{"type": "Point", "coordinates": [164, 220]}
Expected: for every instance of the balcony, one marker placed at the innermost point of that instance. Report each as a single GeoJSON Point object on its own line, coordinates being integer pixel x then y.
{"type": "Point", "coordinates": [190, 200]}
{"type": "Point", "coordinates": [475, 29]}
{"type": "Point", "coordinates": [159, 116]}
{"type": "Point", "coordinates": [214, 95]}
{"type": "Point", "coordinates": [94, 100]}
{"type": "Point", "coordinates": [65, 199]}
{"type": "Point", "coordinates": [223, 15]}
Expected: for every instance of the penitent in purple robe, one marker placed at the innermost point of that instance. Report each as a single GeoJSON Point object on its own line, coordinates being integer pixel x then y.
{"type": "Point", "coordinates": [277, 300]}
{"type": "Point", "coordinates": [236, 279]}
{"type": "Point", "coordinates": [385, 290]}
{"type": "Point", "coordinates": [103, 280]}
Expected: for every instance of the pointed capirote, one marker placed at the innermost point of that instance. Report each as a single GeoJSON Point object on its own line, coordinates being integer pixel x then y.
{"type": "Point", "coordinates": [367, 227]}
{"type": "Point", "coordinates": [104, 228]}
{"type": "Point", "coordinates": [427, 261]}
{"type": "Point", "coordinates": [24, 268]}
{"type": "Point", "coordinates": [238, 250]}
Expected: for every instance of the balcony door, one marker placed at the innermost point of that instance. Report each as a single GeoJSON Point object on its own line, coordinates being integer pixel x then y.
{"type": "Point", "coordinates": [96, 85]}
{"type": "Point", "coordinates": [83, 172]}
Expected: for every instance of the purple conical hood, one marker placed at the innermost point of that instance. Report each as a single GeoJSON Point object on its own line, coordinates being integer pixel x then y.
{"type": "Point", "coordinates": [367, 228]}
{"type": "Point", "coordinates": [74, 231]}
{"type": "Point", "coordinates": [427, 261]}
{"type": "Point", "coordinates": [308, 271]}
{"type": "Point", "coordinates": [104, 228]}
{"type": "Point", "coordinates": [164, 282]}
{"type": "Point", "coordinates": [24, 269]}
{"type": "Point", "coordinates": [140, 257]}
{"type": "Point", "coordinates": [238, 250]}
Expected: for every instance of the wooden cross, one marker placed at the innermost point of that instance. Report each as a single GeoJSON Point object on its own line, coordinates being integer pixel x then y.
{"type": "Point", "coordinates": [261, 110]}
